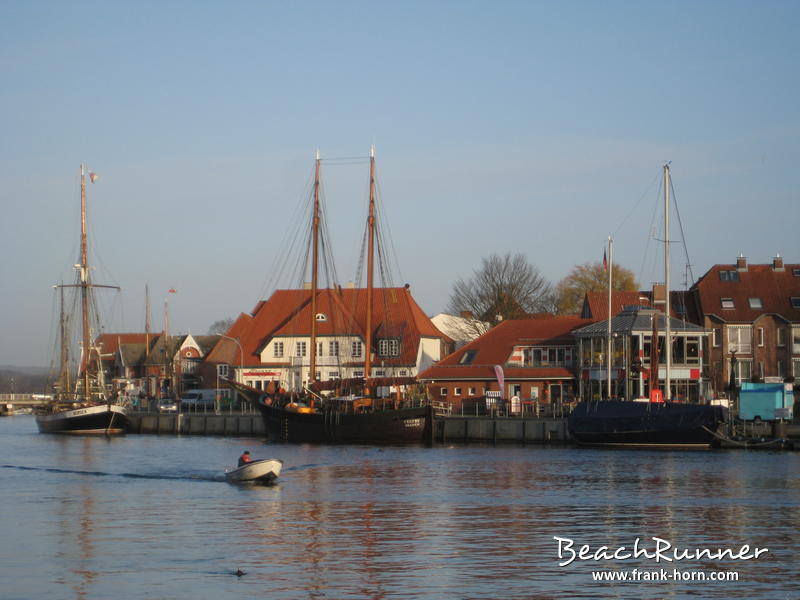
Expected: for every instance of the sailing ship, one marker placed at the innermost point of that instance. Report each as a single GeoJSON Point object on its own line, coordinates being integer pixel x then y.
{"type": "Point", "coordinates": [659, 421]}
{"type": "Point", "coordinates": [312, 417]}
{"type": "Point", "coordinates": [81, 405]}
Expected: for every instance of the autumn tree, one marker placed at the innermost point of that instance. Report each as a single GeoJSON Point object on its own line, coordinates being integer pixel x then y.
{"type": "Point", "coordinates": [504, 287]}
{"type": "Point", "coordinates": [590, 277]}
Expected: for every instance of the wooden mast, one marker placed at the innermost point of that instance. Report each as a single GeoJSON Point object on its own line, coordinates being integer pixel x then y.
{"type": "Point", "coordinates": [314, 277]}
{"type": "Point", "coordinates": [84, 285]}
{"type": "Point", "coordinates": [370, 268]}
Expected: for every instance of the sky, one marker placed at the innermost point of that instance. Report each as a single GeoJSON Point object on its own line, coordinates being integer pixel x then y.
{"type": "Point", "coordinates": [532, 127]}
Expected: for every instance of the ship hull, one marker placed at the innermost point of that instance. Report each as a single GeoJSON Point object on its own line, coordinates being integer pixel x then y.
{"type": "Point", "coordinates": [644, 424]}
{"type": "Point", "coordinates": [103, 419]}
{"type": "Point", "coordinates": [400, 426]}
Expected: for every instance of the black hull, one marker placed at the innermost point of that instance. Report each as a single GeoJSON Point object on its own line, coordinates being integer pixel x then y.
{"type": "Point", "coordinates": [104, 419]}
{"type": "Point", "coordinates": [401, 426]}
{"type": "Point", "coordinates": [622, 423]}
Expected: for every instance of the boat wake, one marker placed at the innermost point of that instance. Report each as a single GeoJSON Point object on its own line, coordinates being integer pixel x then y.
{"type": "Point", "coordinates": [184, 477]}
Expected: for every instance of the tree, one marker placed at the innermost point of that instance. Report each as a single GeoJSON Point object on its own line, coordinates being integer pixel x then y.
{"type": "Point", "coordinates": [505, 287]}
{"type": "Point", "coordinates": [590, 277]}
{"type": "Point", "coordinates": [221, 326]}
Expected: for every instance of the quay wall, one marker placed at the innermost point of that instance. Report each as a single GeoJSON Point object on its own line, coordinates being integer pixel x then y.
{"type": "Point", "coordinates": [454, 429]}
{"type": "Point", "coordinates": [197, 424]}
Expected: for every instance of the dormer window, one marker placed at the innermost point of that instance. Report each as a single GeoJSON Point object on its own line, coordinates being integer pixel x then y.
{"type": "Point", "coordinates": [322, 317]}
{"type": "Point", "coordinates": [755, 303]}
{"type": "Point", "coordinates": [729, 275]}
{"type": "Point", "coordinates": [727, 303]}
{"type": "Point", "coordinates": [468, 357]}
{"type": "Point", "coordinates": [795, 300]}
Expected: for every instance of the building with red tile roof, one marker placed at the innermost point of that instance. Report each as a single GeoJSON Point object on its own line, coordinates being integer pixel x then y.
{"type": "Point", "coordinates": [537, 357]}
{"type": "Point", "coordinates": [754, 312]}
{"type": "Point", "coordinates": [272, 344]}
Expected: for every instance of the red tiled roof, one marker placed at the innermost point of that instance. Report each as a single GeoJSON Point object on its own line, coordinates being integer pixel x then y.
{"type": "Point", "coordinates": [111, 341]}
{"type": "Point", "coordinates": [595, 304]}
{"type": "Point", "coordinates": [288, 313]}
{"type": "Point", "coordinates": [495, 348]}
{"type": "Point", "coordinates": [773, 288]}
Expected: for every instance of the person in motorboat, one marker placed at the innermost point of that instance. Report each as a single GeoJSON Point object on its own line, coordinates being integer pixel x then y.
{"type": "Point", "coordinates": [244, 458]}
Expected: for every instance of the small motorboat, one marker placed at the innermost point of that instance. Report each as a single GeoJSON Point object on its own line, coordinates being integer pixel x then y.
{"type": "Point", "coordinates": [261, 471]}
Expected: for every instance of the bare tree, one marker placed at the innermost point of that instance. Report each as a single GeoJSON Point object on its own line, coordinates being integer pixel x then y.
{"type": "Point", "coordinates": [505, 287]}
{"type": "Point", "coordinates": [220, 327]}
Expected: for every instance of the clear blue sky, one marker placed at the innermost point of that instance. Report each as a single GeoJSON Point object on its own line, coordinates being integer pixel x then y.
{"type": "Point", "coordinates": [500, 126]}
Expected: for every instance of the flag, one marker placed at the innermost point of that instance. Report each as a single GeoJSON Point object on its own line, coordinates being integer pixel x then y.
{"type": "Point", "coordinates": [172, 291]}
{"type": "Point", "coordinates": [605, 261]}
{"type": "Point", "coordinates": [92, 176]}
{"type": "Point", "coordinates": [498, 373]}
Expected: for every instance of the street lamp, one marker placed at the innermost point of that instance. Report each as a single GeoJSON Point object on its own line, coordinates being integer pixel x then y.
{"type": "Point", "coordinates": [241, 358]}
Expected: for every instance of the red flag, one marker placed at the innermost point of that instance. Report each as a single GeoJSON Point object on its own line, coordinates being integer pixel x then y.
{"type": "Point", "coordinates": [172, 291]}
{"type": "Point", "coordinates": [92, 176]}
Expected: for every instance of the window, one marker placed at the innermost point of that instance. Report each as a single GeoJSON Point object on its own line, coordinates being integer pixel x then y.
{"type": "Point", "coordinates": [277, 349]}
{"type": "Point", "coordinates": [321, 317]}
{"type": "Point", "coordinates": [380, 373]}
{"type": "Point", "coordinates": [471, 391]}
{"type": "Point", "coordinates": [333, 348]}
{"type": "Point", "coordinates": [333, 375]}
{"type": "Point", "coordinates": [319, 348]}
{"type": "Point", "coordinates": [795, 341]}
{"type": "Point", "coordinates": [716, 336]}
{"type": "Point", "coordinates": [755, 302]}
{"type": "Point", "coordinates": [796, 272]}
{"type": "Point", "coordinates": [781, 336]}
{"type": "Point", "coordinates": [744, 371]}
{"type": "Point", "coordinates": [356, 348]}
{"type": "Point", "coordinates": [443, 392]}
{"type": "Point", "coordinates": [468, 357]}
{"type": "Point", "coordinates": [728, 275]}
{"type": "Point", "coordinates": [300, 349]}
{"type": "Point", "coordinates": [796, 368]}
{"type": "Point", "coordinates": [389, 347]}
{"type": "Point", "coordinates": [727, 302]}
{"type": "Point", "coordinates": [740, 339]}
{"type": "Point", "coordinates": [760, 336]}
{"type": "Point", "coordinates": [795, 300]}
{"type": "Point", "coordinates": [223, 370]}
{"type": "Point", "coordinates": [402, 373]}
{"type": "Point", "coordinates": [457, 391]}
{"type": "Point", "coordinates": [358, 373]}
{"type": "Point", "coordinates": [780, 369]}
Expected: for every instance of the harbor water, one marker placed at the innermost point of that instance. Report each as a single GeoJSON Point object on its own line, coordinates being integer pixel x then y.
{"type": "Point", "coordinates": [151, 516]}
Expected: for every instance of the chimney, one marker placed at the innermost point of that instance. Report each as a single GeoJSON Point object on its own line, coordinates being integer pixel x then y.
{"type": "Point", "coordinates": [659, 294]}
{"type": "Point", "coordinates": [741, 263]}
{"type": "Point", "coordinates": [465, 314]}
{"type": "Point", "coordinates": [777, 263]}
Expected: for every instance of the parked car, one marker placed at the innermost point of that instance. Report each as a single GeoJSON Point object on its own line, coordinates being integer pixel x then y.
{"type": "Point", "coordinates": [167, 405]}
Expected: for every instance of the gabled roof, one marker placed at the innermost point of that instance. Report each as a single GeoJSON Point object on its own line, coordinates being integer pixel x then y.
{"type": "Point", "coordinates": [288, 313]}
{"type": "Point", "coordinates": [772, 287]}
{"type": "Point", "coordinates": [110, 342]}
{"type": "Point", "coordinates": [164, 349]}
{"type": "Point", "coordinates": [132, 354]}
{"type": "Point", "coordinates": [477, 359]}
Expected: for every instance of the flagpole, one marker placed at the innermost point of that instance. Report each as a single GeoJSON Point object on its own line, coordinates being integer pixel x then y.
{"type": "Point", "coordinates": [608, 353]}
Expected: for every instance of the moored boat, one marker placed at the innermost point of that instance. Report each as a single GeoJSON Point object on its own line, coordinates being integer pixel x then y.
{"type": "Point", "coordinates": [652, 421]}
{"type": "Point", "coordinates": [81, 405]}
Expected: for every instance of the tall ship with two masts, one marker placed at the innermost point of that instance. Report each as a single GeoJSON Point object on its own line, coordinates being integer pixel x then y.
{"type": "Point", "coordinates": [81, 405]}
{"type": "Point", "coordinates": [350, 409]}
